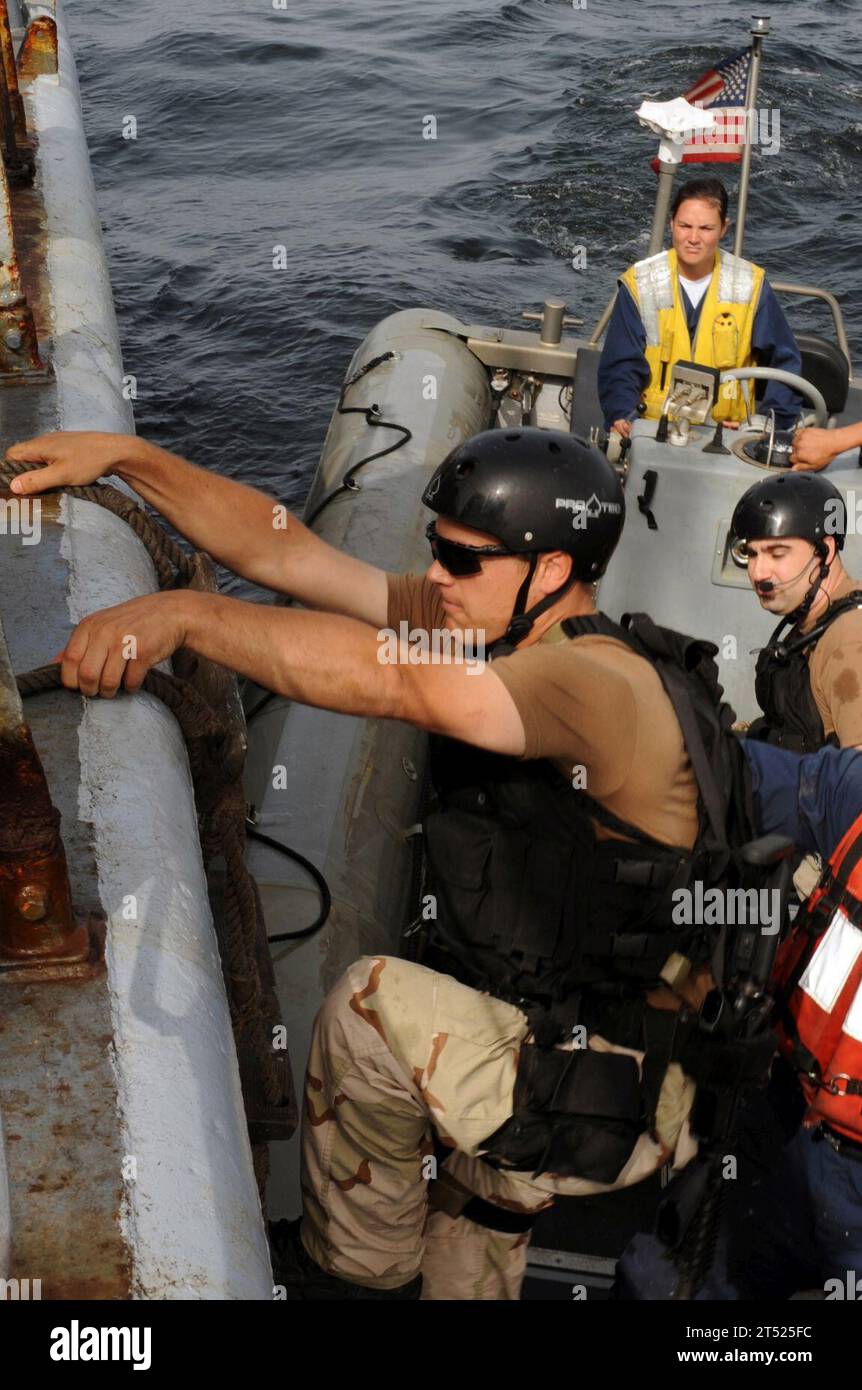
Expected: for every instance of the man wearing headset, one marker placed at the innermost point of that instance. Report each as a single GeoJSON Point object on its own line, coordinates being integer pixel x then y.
{"type": "Point", "coordinates": [809, 675]}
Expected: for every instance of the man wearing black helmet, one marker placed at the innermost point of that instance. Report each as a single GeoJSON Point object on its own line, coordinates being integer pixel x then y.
{"type": "Point", "coordinates": [565, 817]}
{"type": "Point", "coordinates": [525, 523]}
{"type": "Point", "coordinates": [809, 676]}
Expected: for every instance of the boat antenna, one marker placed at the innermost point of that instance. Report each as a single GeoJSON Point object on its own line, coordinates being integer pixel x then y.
{"type": "Point", "coordinates": [759, 29]}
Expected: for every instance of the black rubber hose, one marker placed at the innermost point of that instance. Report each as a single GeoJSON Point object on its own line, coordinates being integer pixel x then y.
{"type": "Point", "coordinates": [311, 869]}
{"type": "Point", "coordinates": [347, 484]}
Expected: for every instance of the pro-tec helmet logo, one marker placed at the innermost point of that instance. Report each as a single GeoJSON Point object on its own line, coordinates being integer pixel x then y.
{"type": "Point", "coordinates": [593, 506]}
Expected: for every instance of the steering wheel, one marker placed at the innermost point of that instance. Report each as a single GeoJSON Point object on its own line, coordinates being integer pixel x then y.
{"type": "Point", "coordinates": [798, 383]}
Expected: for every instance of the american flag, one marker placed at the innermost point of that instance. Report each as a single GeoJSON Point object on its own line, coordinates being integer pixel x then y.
{"type": "Point", "coordinates": [720, 90]}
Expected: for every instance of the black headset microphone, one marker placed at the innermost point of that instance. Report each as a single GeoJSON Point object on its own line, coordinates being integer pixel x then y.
{"type": "Point", "coordinates": [769, 586]}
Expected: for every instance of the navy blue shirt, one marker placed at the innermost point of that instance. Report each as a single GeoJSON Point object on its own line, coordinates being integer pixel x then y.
{"type": "Point", "coordinates": [624, 374]}
{"type": "Point", "coordinates": [813, 799]}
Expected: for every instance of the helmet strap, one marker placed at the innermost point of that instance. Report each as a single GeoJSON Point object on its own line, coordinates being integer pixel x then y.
{"type": "Point", "coordinates": [800, 613]}
{"type": "Point", "coordinates": [521, 622]}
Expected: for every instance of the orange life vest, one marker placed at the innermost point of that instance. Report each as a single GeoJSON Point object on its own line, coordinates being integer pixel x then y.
{"type": "Point", "coordinates": [819, 979]}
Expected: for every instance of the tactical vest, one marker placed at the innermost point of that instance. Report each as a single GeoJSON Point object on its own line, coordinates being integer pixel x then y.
{"type": "Point", "coordinates": [782, 685]}
{"type": "Point", "coordinates": [724, 328]}
{"type": "Point", "coordinates": [532, 906]}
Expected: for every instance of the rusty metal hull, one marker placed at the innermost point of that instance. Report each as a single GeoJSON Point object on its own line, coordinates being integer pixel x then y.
{"type": "Point", "coordinates": [125, 1166]}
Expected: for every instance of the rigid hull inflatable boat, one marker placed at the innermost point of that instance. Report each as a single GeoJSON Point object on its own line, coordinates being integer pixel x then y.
{"type": "Point", "coordinates": [347, 793]}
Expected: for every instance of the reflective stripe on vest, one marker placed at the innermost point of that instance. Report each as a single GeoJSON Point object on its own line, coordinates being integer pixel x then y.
{"type": "Point", "coordinates": [827, 1002]}
{"type": "Point", "coordinates": [724, 329]}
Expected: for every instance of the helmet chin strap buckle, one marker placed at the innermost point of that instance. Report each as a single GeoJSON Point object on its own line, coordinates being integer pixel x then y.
{"type": "Point", "coordinates": [517, 630]}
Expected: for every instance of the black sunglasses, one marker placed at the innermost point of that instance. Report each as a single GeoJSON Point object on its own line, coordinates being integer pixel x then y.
{"type": "Point", "coordinates": [458, 559]}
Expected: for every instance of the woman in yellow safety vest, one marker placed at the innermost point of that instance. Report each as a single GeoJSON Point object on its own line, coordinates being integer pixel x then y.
{"type": "Point", "coordinates": [695, 303]}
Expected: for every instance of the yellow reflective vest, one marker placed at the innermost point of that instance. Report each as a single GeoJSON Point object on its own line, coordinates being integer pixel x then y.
{"type": "Point", "coordinates": [723, 337]}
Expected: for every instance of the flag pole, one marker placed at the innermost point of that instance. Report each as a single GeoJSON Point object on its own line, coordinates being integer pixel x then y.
{"type": "Point", "coordinates": [759, 28]}
{"type": "Point", "coordinates": [666, 176]}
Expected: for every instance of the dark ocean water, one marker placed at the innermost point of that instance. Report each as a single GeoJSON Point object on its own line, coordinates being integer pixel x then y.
{"type": "Point", "coordinates": [303, 127]}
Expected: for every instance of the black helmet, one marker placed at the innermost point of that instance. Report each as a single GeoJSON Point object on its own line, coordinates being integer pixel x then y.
{"type": "Point", "coordinates": [804, 506]}
{"type": "Point", "coordinates": [535, 490]}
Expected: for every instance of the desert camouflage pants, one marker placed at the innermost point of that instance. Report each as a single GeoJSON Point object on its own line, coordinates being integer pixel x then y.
{"type": "Point", "coordinates": [398, 1051]}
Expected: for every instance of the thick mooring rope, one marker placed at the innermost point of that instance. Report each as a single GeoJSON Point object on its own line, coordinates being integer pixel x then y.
{"type": "Point", "coordinates": [174, 567]}
{"type": "Point", "coordinates": [216, 745]}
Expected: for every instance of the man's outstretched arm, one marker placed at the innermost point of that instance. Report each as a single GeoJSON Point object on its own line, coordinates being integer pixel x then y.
{"type": "Point", "coordinates": [243, 529]}
{"type": "Point", "coordinates": [320, 659]}
{"type": "Point", "coordinates": [813, 799]}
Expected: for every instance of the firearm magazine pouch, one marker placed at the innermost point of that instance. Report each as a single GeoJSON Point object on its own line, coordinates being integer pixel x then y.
{"type": "Point", "coordinates": [723, 1068]}
{"type": "Point", "coordinates": [727, 1064]}
{"type": "Point", "coordinates": [577, 1114]}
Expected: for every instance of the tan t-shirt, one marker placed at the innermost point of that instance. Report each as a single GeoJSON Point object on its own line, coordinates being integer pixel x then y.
{"type": "Point", "coordinates": [589, 703]}
{"type": "Point", "coordinates": [835, 669]}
